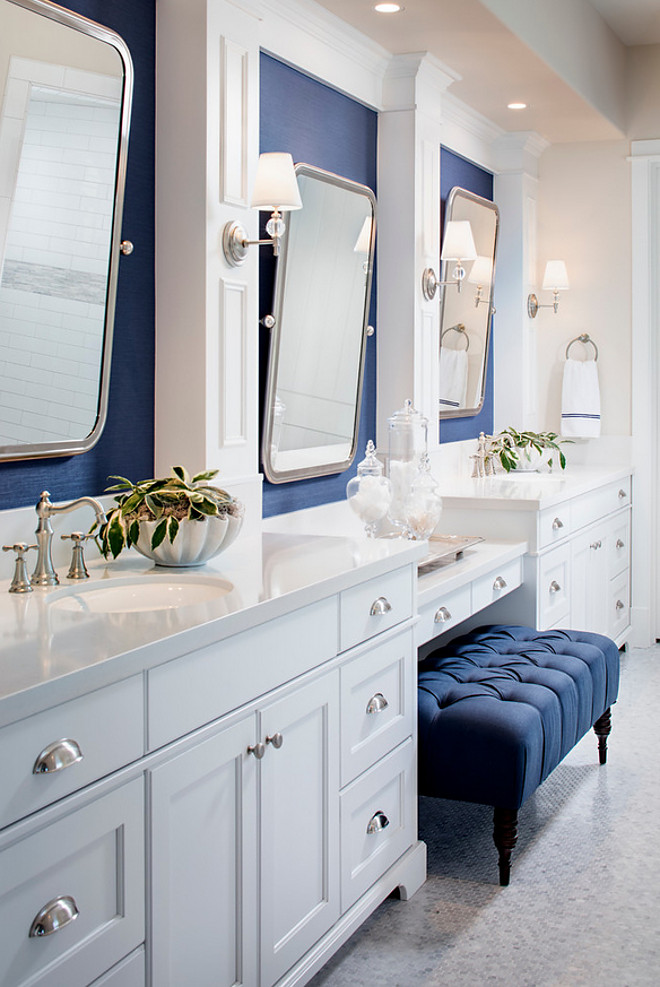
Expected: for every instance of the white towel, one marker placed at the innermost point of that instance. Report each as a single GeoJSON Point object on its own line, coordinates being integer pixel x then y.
{"type": "Point", "coordinates": [580, 400]}
{"type": "Point", "coordinates": [453, 378]}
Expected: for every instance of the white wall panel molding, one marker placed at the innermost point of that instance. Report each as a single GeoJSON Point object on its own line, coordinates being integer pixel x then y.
{"type": "Point", "coordinates": [317, 42]}
{"type": "Point", "coordinates": [231, 363]}
{"type": "Point", "coordinates": [234, 69]}
{"type": "Point", "coordinates": [645, 172]}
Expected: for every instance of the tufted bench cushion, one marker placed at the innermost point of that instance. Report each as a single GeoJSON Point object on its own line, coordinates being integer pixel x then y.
{"type": "Point", "coordinates": [500, 708]}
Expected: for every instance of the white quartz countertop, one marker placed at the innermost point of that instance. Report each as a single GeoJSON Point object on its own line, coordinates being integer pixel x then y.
{"type": "Point", "coordinates": [531, 491]}
{"type": "Point", "coordinates": [55, 645]}
{"type": "Point", "coordinates": [474, 562]}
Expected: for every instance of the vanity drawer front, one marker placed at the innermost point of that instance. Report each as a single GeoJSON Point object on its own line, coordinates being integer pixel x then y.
{"type": "Point", "coordinates": [377, 707]}
{"type": "Point", "coordinates": [601, 502]}
{"type": "Point", "coordinates": [188, 692]}
{"type": "Point", "coordinates": [383, 797]}
{"type": "Point", "coordinates": [555, 524]}
{"type": "Point", "coordinates": [619, 605]}
{"type": "Point", "coordinates": [496, 584]}
{"type": "Point", "coordinates": [446, 611]}
{"type": "Point", "coordinates": [375, 605]}
{"type": "Point", "coordinates": [94, 857]}
{"type": "Point", "coordinates": [554, 587]}
{"type": "Point", "coordinates": [618, 547]}
{"type": "Point", "coordinates": [106, 727]}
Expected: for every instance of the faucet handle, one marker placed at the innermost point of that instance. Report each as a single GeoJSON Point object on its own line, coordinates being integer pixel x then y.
{"type": "Point", "coordinates": [21, 581]}
{"type": "Point", "coordinates": [77, 569]}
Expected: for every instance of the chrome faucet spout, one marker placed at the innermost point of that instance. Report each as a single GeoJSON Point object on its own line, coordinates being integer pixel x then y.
{"type": "Point", "coordinates": [44, 573]}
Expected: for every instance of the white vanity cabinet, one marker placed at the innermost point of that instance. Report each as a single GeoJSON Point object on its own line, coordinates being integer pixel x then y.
{"type": "Point", "coordinates": [577, 571]}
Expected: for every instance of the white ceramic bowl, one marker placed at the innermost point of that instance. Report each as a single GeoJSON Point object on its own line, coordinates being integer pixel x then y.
{"type": "Point", "coordinates": [196, 541]}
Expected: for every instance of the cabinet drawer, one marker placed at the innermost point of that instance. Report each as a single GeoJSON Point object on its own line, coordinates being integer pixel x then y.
{"type": "Point", "coordinates": [188, 692]}
{"type": "Point", "coordinates": [618, 547]}
{"type": "Point", "coordinates": [128, 973]}
{"type": "Point", "coordinates": [376, 703]}
{"type": "Point", "coordinates": [106, 727]}
{"type": "Point", "coordinates": [95, 858]}
{"type": "Point", "coordinates": [375, 605]}
{"type": "Point", "coordinates": [445, 612]}
{"type": "Point", "coordinates": [496, 584]}
{"type": "Point", "coordinates": [598, 503]}
{"type": "Point", "coordinates": [555, 524]}
{"type": "Point", "coordinates": [554, 587]}
{"type": "Point", "coordinates": [619, 605]}
{"type": "Point", "coordinates": [377, 821]}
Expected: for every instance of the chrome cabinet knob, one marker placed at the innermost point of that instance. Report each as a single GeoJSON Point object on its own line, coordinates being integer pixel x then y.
{"type": "Point", "coordinates": [620, 605]}
{"type": "Point", "coordinates": [555, 587]}
{"type": "Point", "coordinates": [54, 916]}
{"type": "Point", "coordinates": [377, 703]}
{"type": "Point", "coordinates": [57, 756]}
{"type": "Point", "coordinates": [380, 607]}
{"type": "Point", "coordinates": [276, 740]}
{"type": "Point", "coordinates": [377, 823]}
{"type": "Point", "coordinates": [258, 750]}
{"type": "Point", "coordinates": [620, 543]}
{"type": "Point", "coordinates": [557, 524]}
{"type": "Point", "coordinates": [126, 247]}
{"type": "Point", "coordinates": [442, 615]}
{"type": "Point", "coordinates": [499, 583]}
{"type": "Point", "coordinates": [622, 494]}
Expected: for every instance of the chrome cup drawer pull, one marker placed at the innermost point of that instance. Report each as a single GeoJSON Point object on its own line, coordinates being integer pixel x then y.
{"type": "Point", "coordinates": [57, 756]}
{"type": "Point", "coordinates": [258, 750]}
{"type": "Point", "coordinates": [596, 544]}
{"type": "Point", "coordinates": [620, 605]}
{"type": "Point", "coordinates": [622, 494]}
{"type": "Point", "coordinates": [499, 583]}
{"type": "Point", "coordinates": [54, 916]}
{"type": "Point", "coordinates": [555, 587]}
{"type": "Point", "coordinates": [557, 524]}
{"type": "Point", "coordinates": [380, 607]}
{"type": "Point", "coordinates": [276, 740]}
{"type": "Point", "coordinates": [377, 703]}
{"type": "Point", "coordinates": [377, 823]}
{"type": "Point", "coordinates": [442, 615]}
{"type": "Point", "coordinates": [620, 544]}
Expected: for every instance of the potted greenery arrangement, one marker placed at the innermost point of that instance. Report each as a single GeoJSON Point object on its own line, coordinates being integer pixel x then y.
{"type": "Point", "coordinates": [176, 520]}
{"type": "Point", "coordinates": [525, 450]}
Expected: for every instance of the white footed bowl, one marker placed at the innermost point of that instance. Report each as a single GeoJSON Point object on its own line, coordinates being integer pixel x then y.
{"type": "Point", "coordinates": [196, 541]}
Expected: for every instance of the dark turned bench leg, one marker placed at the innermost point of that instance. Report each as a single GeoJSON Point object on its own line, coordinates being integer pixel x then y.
{"type": "Point", "coordinates": [505, 836]}
{"type": "Point", "coordinates": [602, 729]}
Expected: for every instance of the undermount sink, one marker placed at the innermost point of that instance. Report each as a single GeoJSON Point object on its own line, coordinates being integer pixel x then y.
{"type": "Point", "coordinates": [139, 594]}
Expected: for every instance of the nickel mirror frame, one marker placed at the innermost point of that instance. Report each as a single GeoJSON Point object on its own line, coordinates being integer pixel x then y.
{"type": "Point", "coordinates": [70, 19]}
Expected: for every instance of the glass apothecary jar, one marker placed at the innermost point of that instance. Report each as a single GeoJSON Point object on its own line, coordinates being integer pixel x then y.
{"type": "Point", "coordinates": [424, 504]}
{"type": "Point", "coordinates": [369, 493]}
{"type": "Point", "coordinates": [407, 431]}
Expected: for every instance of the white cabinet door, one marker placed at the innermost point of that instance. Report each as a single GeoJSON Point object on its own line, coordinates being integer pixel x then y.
{"type": "Point", "coordinates": [204, 857]}
{"type": "Point", "coordinates": [299, 823]}
{"type": "Point", "coordinates": [589, 580]}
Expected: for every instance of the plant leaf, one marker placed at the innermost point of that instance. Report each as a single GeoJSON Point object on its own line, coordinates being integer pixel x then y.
{"type": "Point", "coordinates": [208, 475]}
{"type": "Point", "coordinates": [181, 473]}
{"type": "Point", "coordinates": [133, 532]}
{"type": "Point", "coordinates": [115, 535]}
{"type": "Point", "coordinates": [172, 528]}
{"type": "Point", "coordinates": [159, 533]}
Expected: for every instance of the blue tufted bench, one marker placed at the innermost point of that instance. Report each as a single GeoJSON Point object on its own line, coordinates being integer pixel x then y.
{"type": "Point", "coordinates": [501, 706]}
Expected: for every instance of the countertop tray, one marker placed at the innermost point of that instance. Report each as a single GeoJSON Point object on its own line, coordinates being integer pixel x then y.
{"type": "Point", "coordinates": [445, 549]}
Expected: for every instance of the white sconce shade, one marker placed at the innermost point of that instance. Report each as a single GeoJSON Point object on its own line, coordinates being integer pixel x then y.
{"type": "Point", "coordinates": [275, 185]}
{"type": "Point", "coordinates": [482, 270]}
{"type": "Point", "coordinates": [363, 241]}
{"type": "Point", "coordinates": [458, 242]}
{"type": "Point", "coordinates": [556, 276]}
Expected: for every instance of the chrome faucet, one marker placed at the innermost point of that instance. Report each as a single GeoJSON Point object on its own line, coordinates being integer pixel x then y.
{"type": "Point", "coordinates": [44, 573]}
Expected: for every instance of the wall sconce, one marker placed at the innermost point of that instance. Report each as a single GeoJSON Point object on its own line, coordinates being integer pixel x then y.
{"type": "Point", "coordinates": [481, 275]}
{"type": "Point", "coordinates": [275, 188]}
{"type": "Point", "coordinates": [555, 280]}
{"type": "Point", "coordinates": [458, 245]}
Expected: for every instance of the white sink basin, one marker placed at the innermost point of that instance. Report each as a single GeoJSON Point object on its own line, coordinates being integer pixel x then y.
{"type": "Point", "coordinates": [139, 594]}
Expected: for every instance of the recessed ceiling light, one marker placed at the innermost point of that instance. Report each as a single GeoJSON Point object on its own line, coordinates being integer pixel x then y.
{"type": "Point", "coordinates": [388, 8]}
{"type": "Point", "coordinates": [516, 106]}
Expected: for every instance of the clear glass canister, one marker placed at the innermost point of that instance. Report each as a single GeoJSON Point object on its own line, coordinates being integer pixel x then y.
{"type": "Point", "coordinates": [424, 504]}
{"type": "Point", "coordinates": [369, 493]}
{"type": "Point", "coordinates": [407, 443]}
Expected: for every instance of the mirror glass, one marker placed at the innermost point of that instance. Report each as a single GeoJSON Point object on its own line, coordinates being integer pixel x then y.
{"type": "Point", "coordinates": [465, 316]}
{"type": "Point", "coordinates": [322, 292]}
{"type": "Point", "coordinates": [65, 92]}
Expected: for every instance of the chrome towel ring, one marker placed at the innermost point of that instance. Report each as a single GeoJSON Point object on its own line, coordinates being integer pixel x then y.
{"type": "Point", "coordinates": [583, 338]}
{"type": "Point", "coordinates": [459, 328]}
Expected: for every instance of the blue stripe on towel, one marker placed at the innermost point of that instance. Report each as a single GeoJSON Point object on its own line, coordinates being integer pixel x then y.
{"type": "Point", "coordinates": [576, 414]}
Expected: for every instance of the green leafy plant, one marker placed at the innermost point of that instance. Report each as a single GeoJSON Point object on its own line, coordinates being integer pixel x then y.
{"type": "Point", "coordinates": [167, 501]}
{"type": "Point", "coordinates": [511, 446]}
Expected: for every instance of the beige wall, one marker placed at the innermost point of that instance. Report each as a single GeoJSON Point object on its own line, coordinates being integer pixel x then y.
{"type": "Point", "coordinates": [584, 214]}
{"type": "Point", "coordinates": [644, 92]}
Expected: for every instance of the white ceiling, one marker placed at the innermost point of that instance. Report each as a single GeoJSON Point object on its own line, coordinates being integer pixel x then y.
{"type": "Point", "coordinates": [495, 66]}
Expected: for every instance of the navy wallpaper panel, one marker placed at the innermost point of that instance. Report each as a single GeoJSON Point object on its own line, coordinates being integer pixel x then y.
{"type": "Point", "coordinates": [126, 445]}
{"type": "Point", "coordinates": [322, 127]}
{"type": "Point", "coordinates": [455, 170]}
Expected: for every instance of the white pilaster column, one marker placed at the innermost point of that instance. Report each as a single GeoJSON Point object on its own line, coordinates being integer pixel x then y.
{"type": "Point", "coordinates": [515, 192]}
{"type": "Point", "coordinates": [409, 236]}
